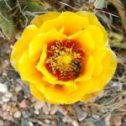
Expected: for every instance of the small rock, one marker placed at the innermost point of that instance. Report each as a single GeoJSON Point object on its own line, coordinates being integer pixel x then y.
{"type": "Point", "coordinates": [46, 108]}
{"type": "Point", "coordinates": [89, 124]}
{"type": "Point", "coordinates": [7, 116]}
{"type": "Point", "coordinates": [100, 123]}
{"type": "Point", "coordinates": [80, 114]}
{"type": "Point", "coordinates": [96, 117]}
{"type": "Point", "coordinates": [67, 119]}
{"type": "Point", "coordinates": [116, 121]}
{"type": "Point", "coordinates": [36, 112]}
{"type": "Point", "coordinates": [60, 123]}
{"type": "Point", "coordinates": [75, 123]}
{"type": "Point", "coordinates": [8, 94]}
{"type": "Point", "coordinates": [23, 104]}
{"type": "Point", "coordinates": [1, 123]}
{"type": "Point", "coordinates": [107, 120]}
{"type": "Point", "coordinates": [17, 114]}
{"type": "Point", "coordinates": [13, 109]}
{"type": "Point", "coordinates": [20, 96]}
{"type": "Point", "coordinates": [38, 105]}
{"type": "Point", "coordinates": [54, 109]}
{"type": "Point", "coordinates": [63, 111]}
{"type": "Point", "coordinates": [25, 114]}
{"type": "Point", "coordinates": [6, 97]}
{"type": "Point", "coordinates": [18, 88]}
{"type": "Point", "coordinates": [47, 121]}
{"type": "Point", "coordinates": [3, 88]}
{"type": "Point", "coordinates": [30, 124]}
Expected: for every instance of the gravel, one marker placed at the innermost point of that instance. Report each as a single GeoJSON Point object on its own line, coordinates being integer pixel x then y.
{"type": "Point", "coordinates": [19, 108]}
{"type": "Point", "coordinates": [3, 88]}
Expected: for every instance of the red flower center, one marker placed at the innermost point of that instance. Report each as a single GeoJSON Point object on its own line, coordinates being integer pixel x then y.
{"type": "Point", "coordinates": [64, 59]}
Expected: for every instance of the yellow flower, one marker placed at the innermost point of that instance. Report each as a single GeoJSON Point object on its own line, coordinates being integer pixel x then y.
{"type": "Point", "coordinates": [64, 57]}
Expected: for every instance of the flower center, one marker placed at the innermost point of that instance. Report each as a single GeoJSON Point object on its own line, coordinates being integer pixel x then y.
{"type": "Point", "coordinates": [64, 59]}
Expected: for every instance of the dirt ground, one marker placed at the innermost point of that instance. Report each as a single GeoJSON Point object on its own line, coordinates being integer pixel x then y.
{"type": "Point", "coordinates": [19, 108]}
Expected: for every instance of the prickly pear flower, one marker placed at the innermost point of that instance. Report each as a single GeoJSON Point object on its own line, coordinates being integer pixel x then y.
{"type": "Point", "coordinates": [64, 57]}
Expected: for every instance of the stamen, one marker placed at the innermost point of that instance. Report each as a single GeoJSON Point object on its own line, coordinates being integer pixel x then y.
{"type": "Point", "coordinates": [64, 59]}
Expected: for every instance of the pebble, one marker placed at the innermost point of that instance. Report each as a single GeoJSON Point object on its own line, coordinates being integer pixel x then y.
{"type": "Point", "coordinates": [47, 121]}
{"type": "Point", "coordinates": [89, 124]}
{"type": "Point", "coordinates": [1, 123]}
{"type": "Point", "coordinates": [54, 109]}
{"type": "Point", "coordinates": [96, 117]}
{"type": "Point", "coordinates": [107, 120]}
{"type": "Point", "coordinates": [60, 123]}
{"type": "Point", "coordinates": [116, 121]}
{"type": "Point", "coordinates": [30, 124]}
{"type": "Point", "coordinates": [47, 108]}
{"type": "Point", "coordinates": [23, 104]}
{"type": "Point", "coordinates": [7, 116]}
{"type": "Point", "coordinates": [81, 115]}
{"type": "Point", "coordinates": [17, 114]}
{"type": "Point", "coordinates": [8, 94]}
{"type": "Point", "coordinates": [100, 123]}
{"type": "Point", "coordinates": [18, 88]}
{"type": "Point", "coordinates": [117, 85]}
{"type": "Point", "coordinates": [75, 123]}
{"type": "Point", "coordinates": [3, 88]}
{"type": "Point", "coordinates": [6, 97]}
{"type": "Point", "coordinates": [36, 112]}
{"type": "Point", "coordinates": [38, 105]}
{"type": "Point", "coordinates": [67, 119]}
{"type": "Point", "coordinates": [63, 111]}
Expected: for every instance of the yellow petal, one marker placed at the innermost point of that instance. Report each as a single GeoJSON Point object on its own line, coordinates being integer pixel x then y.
{"type": "Point", "coordinates": [91, 17]}
{"type": "Point", "coordinates": [59, 95]}
{"type": "Point", "coordinates": [63, 22]}
{"type": "Point", "coordinates": [97, 35]}
{"type": "Point", "coordinates": [39, 20]}
{"type": "Point", "coordinates": [38, 82]}
{"type": "Point", "coordinates": [48, 91]}
{"type": "Point", "coordinates": [88, 70]}
{"type": "Point", "coordinates": [35, 47]}
{"type": "Point", "coordinates": [93, 20]}
{"type": "Point", "coordinates": [85, 39]}
{"type": "Point", "coordinates": [37, 44]}
{"type": "Point", "coordinates": [98, 55]}
{"type": "Point", "coordinates": [109, 66]}
{"type": "Point", "coordinates": [90, 96]}
{"type": "Point", "coordinates": [26, 68]}
{"type": "Point", "coordinates": [22, 43]}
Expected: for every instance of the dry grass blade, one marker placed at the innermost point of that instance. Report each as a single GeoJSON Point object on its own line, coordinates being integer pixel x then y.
{"type": "Point", "coordinates": [121, 10]}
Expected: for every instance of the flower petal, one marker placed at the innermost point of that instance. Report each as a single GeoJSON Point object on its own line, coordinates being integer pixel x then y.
{"type": "Point", "coordinates": [98, 55]}
{"type": "Point", "coordinates": [88, 70]}
{"type": "Point", "coordinates": [58, 95]}
{"type": "Point", "coordinates": [109, 66]}
{"type": "Point", "coordinates": [39, 20]}
{"type": "Point", "coordinates": [92, 19]}
{"type": "Point", "coordinates": [37, 43]}
{"type": "Point", "coordinates": [88, 97]}
{"type": "Point", "coordinates": [97, 35]}
{"type": "Point", "coordinates": [26, 68]}
{"type": "Point", "coordinates": [85, 40]}
{"type": "Point", "coordinates": [22, 43]}
{"type": "Point", "coordinates": [63, 22]}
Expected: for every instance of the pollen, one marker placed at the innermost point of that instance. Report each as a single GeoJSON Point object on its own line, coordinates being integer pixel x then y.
{"type": "Point", "coordinates": [64, 59]}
